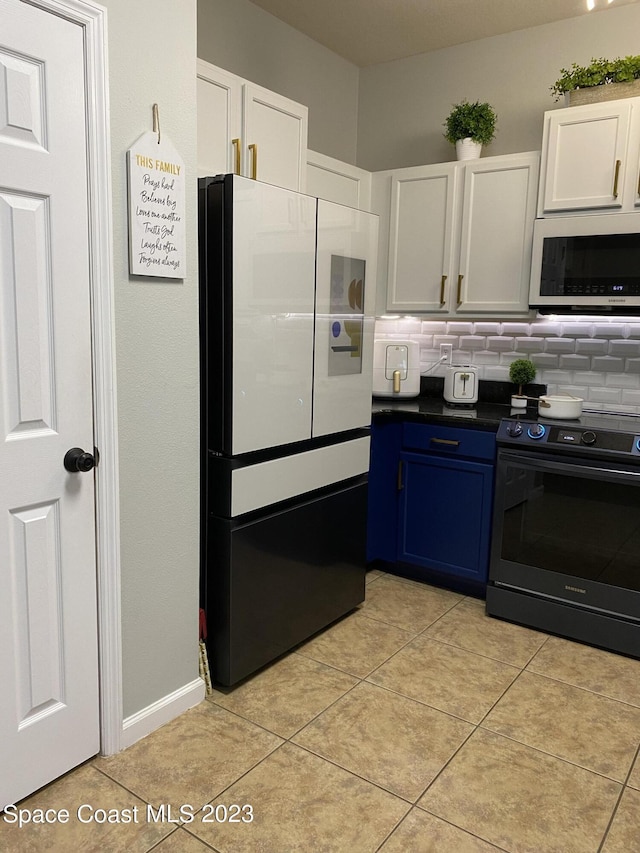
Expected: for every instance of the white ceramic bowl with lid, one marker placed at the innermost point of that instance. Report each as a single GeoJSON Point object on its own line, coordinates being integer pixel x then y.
{"type": "Point", "coordinates": [560, 406]}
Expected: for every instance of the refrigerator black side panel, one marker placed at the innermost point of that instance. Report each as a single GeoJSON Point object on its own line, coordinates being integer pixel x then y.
{"type": "Point", "coordinates": [215, 203]}
{"type": "Point", "coordinates": [272, 582]}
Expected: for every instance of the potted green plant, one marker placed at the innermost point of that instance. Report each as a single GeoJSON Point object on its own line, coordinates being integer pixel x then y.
{"type": "Point", "coordinates": [521, 372]}
{"type": "Point", "coordinates": [592, 82]}
{"type": "Point", "coordinates": [469, 127]}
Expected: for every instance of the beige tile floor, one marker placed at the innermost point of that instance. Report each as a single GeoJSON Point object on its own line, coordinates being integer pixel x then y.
{"type": "Point", "coordinates": [415, 724]}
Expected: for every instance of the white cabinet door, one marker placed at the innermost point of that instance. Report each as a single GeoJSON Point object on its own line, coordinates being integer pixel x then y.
{"type": "Point", "coordinates": [334, 180]}
{"type": "Point", "coordinates": [219, 99]}
{"type": "Point", "coordinates": [274, 239]}
{"type": "Point", "coordinates": [247, 130]}
{"type": "Point", "coordinates": [498, 213]}
{"type": "Point", "coordinates": [585, 151]}
{"type": "Point", "coordinates": [347, 248]}
{"type": "Point", "coordinates": [423, 209]}
{"type": "Point", "coordinates": [275, 138]}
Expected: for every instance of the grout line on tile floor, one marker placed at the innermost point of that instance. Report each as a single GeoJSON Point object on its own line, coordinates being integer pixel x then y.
{"type": "Point", "coordinates": [620, 796]}
{"type": "Point", "coordinates": [462, 829]}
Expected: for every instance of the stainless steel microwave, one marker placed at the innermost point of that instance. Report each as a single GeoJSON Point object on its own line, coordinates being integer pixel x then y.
{"type": "Point", "coordinates": [588, 264]}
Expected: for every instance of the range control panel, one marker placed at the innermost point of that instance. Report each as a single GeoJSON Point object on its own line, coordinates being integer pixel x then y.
{"type": "Point", "coordinates": [558, 436]}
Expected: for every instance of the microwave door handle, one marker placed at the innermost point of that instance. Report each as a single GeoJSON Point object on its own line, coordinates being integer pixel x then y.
{"type": "Point", "coordinates": [569, 468]}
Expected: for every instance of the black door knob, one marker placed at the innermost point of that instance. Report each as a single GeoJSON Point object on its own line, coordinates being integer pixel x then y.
{"type": "Point", "coordinates": [77, 459]}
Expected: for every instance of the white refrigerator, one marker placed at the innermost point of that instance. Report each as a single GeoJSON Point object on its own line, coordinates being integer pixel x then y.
{"type": "Point", "coordinates": [287, 294]}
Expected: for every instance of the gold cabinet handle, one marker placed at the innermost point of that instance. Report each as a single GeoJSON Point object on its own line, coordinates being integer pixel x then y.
{"type": "Point", "coordinates": [254, 160]}
{"type": "Point", "coordinates": [459, 297]}
{"type": "Point", "coordinates": [446, 441]}
{"type": "Point", "coordinates": [399, 483]}
{"type": "Point", "coordinates": [615, 178]}
{"type": "Point", "coordinates": [396, 381]}
{"type": "Point", "coordinates": [236, 146]}
{"type": "Point", "coordinates": [442, 284]}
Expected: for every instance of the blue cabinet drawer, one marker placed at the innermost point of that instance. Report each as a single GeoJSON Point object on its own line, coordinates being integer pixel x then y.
{"type": "Point", "coordinates": [468, 443]}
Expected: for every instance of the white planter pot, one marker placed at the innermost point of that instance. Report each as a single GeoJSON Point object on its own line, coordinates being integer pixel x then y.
{"type": "Point", "coordinates": [518, 402]}
{"type": "Point", "coordinates": [467, 149]}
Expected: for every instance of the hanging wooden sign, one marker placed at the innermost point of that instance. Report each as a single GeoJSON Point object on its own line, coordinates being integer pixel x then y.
{"type": "Point", "coordinates": [156, 184]}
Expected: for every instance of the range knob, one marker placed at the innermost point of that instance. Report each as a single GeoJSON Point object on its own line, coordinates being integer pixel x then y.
{"type": "Point", "coordinates": [536, 430]}
{"type": "Point", "coordinates": [588, 438]}
{"type": "Point", "coordinates": [514, 429]}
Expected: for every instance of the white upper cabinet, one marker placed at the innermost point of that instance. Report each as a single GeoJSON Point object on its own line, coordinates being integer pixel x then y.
{"type": "Point", "coordinates": [591, 158]}
{"type": "Point", "coordinates": [460, 235]}
{"type": "Point", "coordinates": [498, 211]}
{"type": "Point", "coordinates": [336, 181]}
{"type": "Point", "coordinates": [248, 130]}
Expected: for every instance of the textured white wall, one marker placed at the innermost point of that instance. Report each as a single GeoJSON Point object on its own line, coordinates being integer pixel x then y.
{"type": "Point", "coordinates": [249, 42]}
{"type": "Point", "coordinates": [152, 54]}
{"type": "Point", "coordinates": [403, 104]}
{"type": "Point", "coordinates": [598, 360]}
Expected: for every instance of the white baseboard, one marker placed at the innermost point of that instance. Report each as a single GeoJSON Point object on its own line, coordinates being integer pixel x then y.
{"type": "Point", "coordinates": [149, 719]}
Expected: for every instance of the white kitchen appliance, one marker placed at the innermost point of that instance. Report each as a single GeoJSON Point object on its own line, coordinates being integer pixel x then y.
{"type": "Point", "coordinates": [461, 384]}
{"type": "Point", "coordinates": [287, 295]}
{"type": "Point", "coordinates": [396, 368]}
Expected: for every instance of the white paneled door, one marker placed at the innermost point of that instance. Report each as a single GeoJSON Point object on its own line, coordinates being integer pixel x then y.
{"type": "Point", "coordinates": [48, 625]}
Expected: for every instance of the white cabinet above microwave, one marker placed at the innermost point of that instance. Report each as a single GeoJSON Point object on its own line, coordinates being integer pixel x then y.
{"type": "Point", "coordinates": [591, 159]}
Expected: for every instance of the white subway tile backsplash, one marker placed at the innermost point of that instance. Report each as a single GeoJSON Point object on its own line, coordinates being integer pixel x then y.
{"type": "Point", "coordinates": [545, 360]}
{"type": "Point", "coordinates": [607, 363]}
{"type": "Point", "coordinates": [575, 362]}
{"type": "Point", "coordinates": [560, 345]}
{"type": "Point", "coordinates": [530, 344]}
{"type": "Point", "coordinates": [500, 343]}
{"type": "Point", "coordinates": [473, 342]}
{"type": "Point", "coordinates": [621, 380]}
{"type": "Point", "coordinates": [592, 346]}
{"type": "Point", "coordinates": [577, 330]}
{"type": "Point", "coordinates": [496, 374]}
{"type": "Point", "coordinates": [558, 377]}
{"type": "Point", "coordinates": [431, 328]}
{"type": "Point", "coordinates": [598, 360]}
{"type": "Point", "coordinates": [624, 349]}
{"type": "Point", "coordinates": [486, 328]}
{"type": "Point", "coordinates": [609, 396]}
{"type": "Point", "coordinates": [516, 329]}
{"type": "Point", "coordinates": [547, 329]}
{"type": "Point", "coordinates": [609, 330]}
{"type": "Point", "coordinates": [486, 357]}
{"type": "Point", "coordinates": [630, 398]}
{"type": "Point", "coordinates": [459, 328]}
{"type": "Point", "coordinates": [444, 339]}
{"type": "Point", "coordinates": [589, 377]}
{"type": "Point", "coordinates": [410, 326]}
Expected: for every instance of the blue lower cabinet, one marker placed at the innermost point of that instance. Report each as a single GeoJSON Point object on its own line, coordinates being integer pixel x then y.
{"type": "Point", "coordinates": [444, 515]}
{"type": "Point", "coordinates": [430, 502]}
{"type": "Point", "coordinates": [382, 515]}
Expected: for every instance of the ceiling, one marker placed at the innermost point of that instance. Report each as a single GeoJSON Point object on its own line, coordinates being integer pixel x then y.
{"type": "Point", "coordinates": [367, 32]}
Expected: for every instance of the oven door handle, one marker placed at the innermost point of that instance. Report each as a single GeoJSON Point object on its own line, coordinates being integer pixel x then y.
{"type": "Point", "coordinates": [557, 467]}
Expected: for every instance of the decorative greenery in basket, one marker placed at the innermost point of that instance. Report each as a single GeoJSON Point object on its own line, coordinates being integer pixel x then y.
{"type": "Point", "coordinates": [599, 72]}
{"type": "Point", "coordinates": [521, 372]}
{"type": "Point", "coordinates": [471, 121]}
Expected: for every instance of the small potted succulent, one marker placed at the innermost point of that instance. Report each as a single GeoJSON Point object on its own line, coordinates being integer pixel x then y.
{"type": "Point", "coordinates": [469, 127]}
{"type": "Point", "coordinates": [521, 372]}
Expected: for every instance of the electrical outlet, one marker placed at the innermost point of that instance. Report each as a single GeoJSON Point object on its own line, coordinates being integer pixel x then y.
{"type": "Point", "coordinates": [446, 353]}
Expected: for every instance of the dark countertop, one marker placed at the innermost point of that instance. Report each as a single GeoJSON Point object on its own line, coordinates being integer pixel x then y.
{"type": "Point", "coordinates": [430, 407]}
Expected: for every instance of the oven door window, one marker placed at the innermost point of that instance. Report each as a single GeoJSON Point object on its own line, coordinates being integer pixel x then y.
{"type": "Point", "coordinates": [568, 522]}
